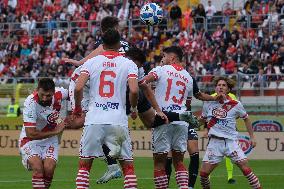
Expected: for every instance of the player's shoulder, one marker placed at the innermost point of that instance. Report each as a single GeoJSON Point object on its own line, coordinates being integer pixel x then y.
{"type": "Point", "coordinates": [60, 93]}
{"type": "Point", "coordinates": [60, 90]}
{"type": "Point", "coordinates": [76, 71]}
{"type": "Point", "coordinates": [124, 60]}
{"type": "Point", "coordinates": [31, 100]}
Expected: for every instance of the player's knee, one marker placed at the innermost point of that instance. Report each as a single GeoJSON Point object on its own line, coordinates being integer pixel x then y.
{"type": "Point", "coordinates": [128, 168]}
{"type": "Point", "coordinates": [203, 174]}
{"type": "Point", "coordinates": [49, 170]}
{"type": "Point", "coordinates": [38, 173]}
{"type": "Point", "coordinates": [192, 148]}
{"type": "Point", "coordinates": [86, 165]}
{"type": "Point", "coordinates": [37, 169]}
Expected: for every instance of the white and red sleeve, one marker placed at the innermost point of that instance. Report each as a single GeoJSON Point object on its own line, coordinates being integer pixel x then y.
{"type": "Point", "coordinates": [87, 67]}
{"type": "Point", "coordinates": [132, 71]}
{"type": "Point", "coordinates": [156, 72]}
{"type": "Point", "coordinates": [29, 113]}
{"type": "Point", "coordinates": [241, 112]}
{"type": "Point", "coordinates": [65, 93]}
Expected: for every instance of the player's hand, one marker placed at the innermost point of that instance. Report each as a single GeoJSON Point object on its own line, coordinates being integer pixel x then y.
{"type": "Point", "coordinates": [220, 97]}
{"type": "Point", "coordinates": [205, 134]}
{"type": "Point", "coordinates": [60, 127]}
{"type": "Point", "coordinates": [133, 113]}
{"type": "Point", "coordinates": [71, 61]}
{"type": "Point", "coordinates": [77, 111]}
{"type": "Point", "coordinates": [163, 116]}
{"type": "Point", "coordinates": [253, 141]}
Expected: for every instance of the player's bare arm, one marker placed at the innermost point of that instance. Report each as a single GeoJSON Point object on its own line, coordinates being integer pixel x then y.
{"type": "Point", "coordinates": [78, 92]}
{"type": "Point", "coordinates": [206, 97]}
{"type": "Point", "coordinates": [94, 53]}
{"type": "Point", "coordinates": [250, 131]}
{"type": "Point", "coordinates": [35, 134]}
{"type": "Point", "coordinates": [133, 96]}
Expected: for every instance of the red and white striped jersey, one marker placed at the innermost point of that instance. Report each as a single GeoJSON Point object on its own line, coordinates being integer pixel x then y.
{"type": "Point", "coordinates": [173, 86]}
{"type": "Point", "coordinates": [44, 118]}
{"type": "Point", "coordinates": [221, 118]}
{"type": "Point", "coordinates": [108, 75]}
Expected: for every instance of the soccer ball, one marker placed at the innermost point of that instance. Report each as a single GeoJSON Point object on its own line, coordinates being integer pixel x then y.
{"type": "Point", "coordinates": [151, 14]}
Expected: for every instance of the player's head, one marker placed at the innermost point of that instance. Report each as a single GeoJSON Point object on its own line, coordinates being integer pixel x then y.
{"type": "Point", "coordinates": [45, 89]}
{"type": "Point", "coordinates": [109, 22]}
{"type": "Point", "coordinates": [171, 55]}
{"type": "Point", "coordinates": [223, 85]}
{"type": "Point", "coordinates": [136, 55]}
{"type": "Point", "coordinates": [111, 40]}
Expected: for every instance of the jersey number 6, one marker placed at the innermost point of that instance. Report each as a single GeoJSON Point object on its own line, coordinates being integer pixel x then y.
{"type": "Point", "coordinates": [104, 83]}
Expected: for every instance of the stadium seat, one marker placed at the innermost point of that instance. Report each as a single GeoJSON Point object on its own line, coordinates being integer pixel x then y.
{"type": "Point", "coordinates": [247, 85]}
{"type": "Point", "coordinates": [273, 85]}
{"type": "Point", "coordinates": [281, 85]}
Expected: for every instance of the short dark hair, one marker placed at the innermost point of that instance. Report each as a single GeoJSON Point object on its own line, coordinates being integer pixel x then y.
{"type": "Point", "coordinates": [109, 22]}
{"type": "Point", "coordinates": [136, 54]}
{"type": "Point", "coordinates": [176, 50]}
{"type": "Point", "coordinates": [46, 84]}
{"type": "Point", "coordinates": [111, 37]}
{"type": "Point", "coordinates": [231, 83]}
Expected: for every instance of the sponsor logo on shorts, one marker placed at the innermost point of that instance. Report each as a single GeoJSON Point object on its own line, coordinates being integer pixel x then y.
{"type": "Point", "coordinates": [245, 144]}
{"type": "Point", "coordinates": [219, 113]}
{"type": "Point", "coordinates": [267, 126]}
{"type": "Point", "coordinates": [107, 106]}
{"type": "Point", "coordinates": [171, 108]}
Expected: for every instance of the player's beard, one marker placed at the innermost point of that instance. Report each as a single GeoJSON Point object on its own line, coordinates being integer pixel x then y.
{"type": "Point", "coordinates": [45, 103]}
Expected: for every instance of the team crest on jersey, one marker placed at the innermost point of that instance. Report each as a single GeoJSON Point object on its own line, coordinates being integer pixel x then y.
{"type": "Point", "coordinates": [219, 113]}
{"type": "Point", "coordinates": [51, 118]}
{"type": "Point", "coordinates": [245, 144]}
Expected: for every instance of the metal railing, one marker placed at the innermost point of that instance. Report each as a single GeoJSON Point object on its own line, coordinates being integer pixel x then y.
{"type": "Point", "coordinates": [244, 82]}
{"type": "Point", "coordinates": [210, 25]}
{"type": "Point", "coordinates": [257, 96]}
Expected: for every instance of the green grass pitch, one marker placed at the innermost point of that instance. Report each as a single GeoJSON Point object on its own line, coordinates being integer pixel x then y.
{"type": "Point", "coordinates": [14, 176]}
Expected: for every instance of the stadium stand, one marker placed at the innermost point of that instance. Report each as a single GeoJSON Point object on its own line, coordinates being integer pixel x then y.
{"type": "Point", "coordinates": [245, 43]}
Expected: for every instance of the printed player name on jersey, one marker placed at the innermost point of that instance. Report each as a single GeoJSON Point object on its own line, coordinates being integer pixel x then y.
{"type": "Point", "coordinates": [178, 75]}
{"type": "Point", "coordinates": [109, 64]}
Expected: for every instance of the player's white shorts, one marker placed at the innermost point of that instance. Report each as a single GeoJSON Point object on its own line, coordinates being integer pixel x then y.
{"type": "Point", "coordinates": [42, 148]}
{"type": "Point", "coordinates": [169, 137]}
{"type": "Point", "coordinates": [94, 136]}
{"type": "Point", "coordinates": [218, 148]}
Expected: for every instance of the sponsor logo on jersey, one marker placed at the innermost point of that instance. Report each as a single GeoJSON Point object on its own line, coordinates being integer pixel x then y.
{"type": "Point", "coordinates": [172, 107]}
{"type": "Point", "coordinates": [51, 118]}
{"type": "Point", "coordinates": [267, 126]}
{"type": "Point", "coordinates": [219, 113]}
{"type": "Point", "coordinates": [245, 144]}
{"type": "Point", "coordinates": [107, 106]}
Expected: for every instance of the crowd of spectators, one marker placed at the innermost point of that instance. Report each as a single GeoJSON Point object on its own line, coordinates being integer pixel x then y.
{"type": "Point", "coordinates": [219, 49]}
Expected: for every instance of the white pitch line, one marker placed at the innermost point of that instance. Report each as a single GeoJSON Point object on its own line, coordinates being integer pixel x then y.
{"type": "Point", "coordinates": [150, 178]}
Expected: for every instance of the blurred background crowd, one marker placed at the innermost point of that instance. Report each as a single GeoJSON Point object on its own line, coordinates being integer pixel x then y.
{"type": "Point", "coordinates": [37, 34]}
